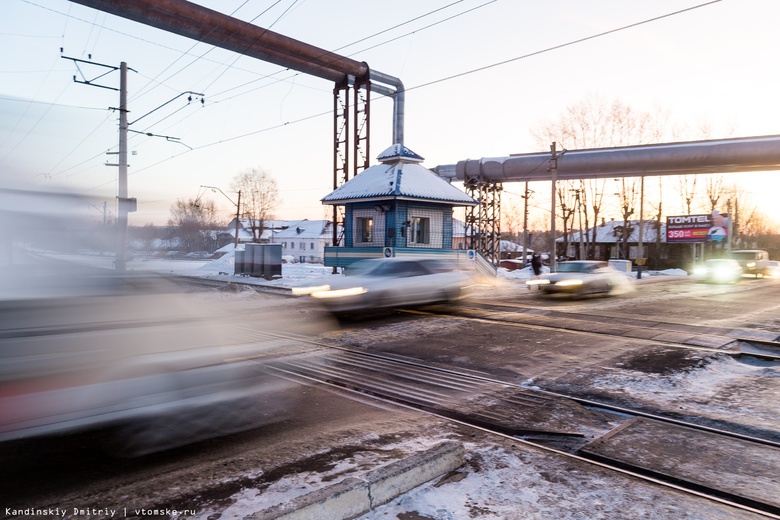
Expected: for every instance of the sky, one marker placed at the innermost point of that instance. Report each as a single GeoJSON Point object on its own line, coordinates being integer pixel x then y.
{"type": "Point", "coordinates": [480, 76]}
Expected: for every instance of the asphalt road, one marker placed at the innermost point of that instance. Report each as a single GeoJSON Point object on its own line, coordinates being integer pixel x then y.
{"type": "Point", "coordinates": [321, 427]}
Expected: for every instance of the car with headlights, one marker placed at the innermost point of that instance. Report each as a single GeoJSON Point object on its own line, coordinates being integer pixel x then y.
{"type": "Point", "coordinates": [719, 270]}
{"type": "Point", "coordinates": [774, 268]}
{"type": "Point", "coordinates": [581, 277]}
{"type": "Point", "coordinates": [146, 365]}
{"type": "Point", "coordinates": [381, 283]}
{"type": "Point", "coordinates": [754, 262]}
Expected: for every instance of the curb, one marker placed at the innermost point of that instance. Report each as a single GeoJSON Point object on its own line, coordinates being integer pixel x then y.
{"type": "Point", "coordinates": [353, 497]}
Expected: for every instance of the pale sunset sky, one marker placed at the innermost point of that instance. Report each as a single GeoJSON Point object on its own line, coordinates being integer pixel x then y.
{"type": "Point", "coordinates": [481, 76]}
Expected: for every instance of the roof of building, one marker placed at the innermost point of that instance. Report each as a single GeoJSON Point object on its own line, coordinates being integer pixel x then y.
{"type": "Point", "coordinates": [399, 176]}
{"type": "Point", "coordinates": [610, 231]}
{"type": "Point", "coordinates": [305, 229]}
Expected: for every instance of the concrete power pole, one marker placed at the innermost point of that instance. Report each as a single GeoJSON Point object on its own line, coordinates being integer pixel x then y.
{"type": "Point", "coordinates": [525, 225]}
{"type": "Point", "coordinates": [124, 204]}
{"type": "Point", "coordinates": [554, 173]}
{"type": "Point", "coordinates": [121, 249]}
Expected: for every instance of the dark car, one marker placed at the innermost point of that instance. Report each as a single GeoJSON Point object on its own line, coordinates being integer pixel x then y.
{"type": "Point", "coordinates": [582, 277]}
{"type": "Point", "coordinates": [754, 262]}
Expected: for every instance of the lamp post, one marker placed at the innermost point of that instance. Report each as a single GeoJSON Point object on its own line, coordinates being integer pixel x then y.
{"type": "Point", "coordinates": [236, 204]}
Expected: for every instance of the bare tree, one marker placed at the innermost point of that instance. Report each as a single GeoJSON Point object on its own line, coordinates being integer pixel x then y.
{"type": "Point", "coordinates": [194, 222]}
{"type": "Point", "coordinates": [629, 190]}
{"type": "Point", "coordinates": [594, 123]}
{"type": "Point", "coordinates": [687, 184]}
{"type": "Point", "coordinates": [259, 198]}
{"type": "Point", "coordinates": [715, 190]}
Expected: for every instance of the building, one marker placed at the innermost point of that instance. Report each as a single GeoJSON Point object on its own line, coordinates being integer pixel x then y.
{"type": "Point", "coordinates": [397, 207]}
{"type": "Point", "coordinates": [305, 240]}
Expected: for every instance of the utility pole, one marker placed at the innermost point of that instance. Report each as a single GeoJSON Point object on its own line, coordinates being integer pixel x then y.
{"type": "Point", "coordinates": [525, 225]}
{"type": "Point", "coordinates": [641, 249]}
{"type": "Point", "coordinates": [124, 204]}
{"type": "Point", "coordinates": [554, 174]}
{"type": "Point", "coordinates": [238, 214]}
{"type": "Point", "coordinates": [121, 250]}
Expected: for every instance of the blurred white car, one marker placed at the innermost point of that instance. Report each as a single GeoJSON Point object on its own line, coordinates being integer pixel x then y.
{"type": "Point", "coordinates": [582, 277]}
{"type": "Point", "coordinates": [774, 268]}
{"type": "Point", "coordinates": [719, 270]}
{"type": "Point", "coordinates": [150, 366]}
{"type": "Point", "coordinates": [391, 282]}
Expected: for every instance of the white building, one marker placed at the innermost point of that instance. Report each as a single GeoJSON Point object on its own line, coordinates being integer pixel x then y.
{"type": "Point", "coordinates": [305, 240]}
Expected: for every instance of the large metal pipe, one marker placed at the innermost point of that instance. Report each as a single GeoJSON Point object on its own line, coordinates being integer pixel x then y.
{"type": "Point", "coordinates": [399, 100]}
{"type": "Point", "coordinates": [206, 25]}
{"type": "Point", "coordinates": [747, 154]}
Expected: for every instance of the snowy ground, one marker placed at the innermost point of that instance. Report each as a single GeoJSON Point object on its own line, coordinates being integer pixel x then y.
{"type": "Point", "coordinates": [504, 479]}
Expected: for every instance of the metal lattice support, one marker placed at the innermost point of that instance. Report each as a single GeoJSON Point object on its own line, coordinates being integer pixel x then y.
{"type": "Point", "coordinates": [344, 142]}
{"type": "Point", "coordinates": [340, 148]}
{"type": "Point", "coordinates": [362, 126]}
{"type": "Point", "coordinates": [484, 221]}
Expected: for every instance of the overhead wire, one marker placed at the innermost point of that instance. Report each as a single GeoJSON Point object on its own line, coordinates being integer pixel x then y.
{"type": "Point", "coordinates": [461, 74]}
{"type": "Point", "coordinates": [536, 53]}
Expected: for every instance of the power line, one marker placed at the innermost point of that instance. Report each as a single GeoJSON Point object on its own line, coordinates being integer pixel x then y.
{"type": "Point", "coordinates": [567, 44]}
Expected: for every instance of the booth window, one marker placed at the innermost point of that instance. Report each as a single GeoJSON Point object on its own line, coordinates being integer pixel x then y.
{"type": "Point", "coordinates": [420, 230]}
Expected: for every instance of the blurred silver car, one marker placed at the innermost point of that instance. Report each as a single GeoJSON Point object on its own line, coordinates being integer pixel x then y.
{"type": "Point", "coordinates": [391, 282]}
{"type": "Point", "coordinates": [719, 270]}
{"type": "Point", "coordinates": [582, 277]}
{"type": "Point", "coordinates": [150, 366]}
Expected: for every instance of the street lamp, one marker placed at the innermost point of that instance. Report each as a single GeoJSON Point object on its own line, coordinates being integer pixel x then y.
{"type": "Point", "coordinates": [236, 204]}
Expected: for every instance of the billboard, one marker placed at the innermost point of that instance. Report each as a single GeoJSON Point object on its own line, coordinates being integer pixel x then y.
{"type": "Point", "coordinates": [697, 228]}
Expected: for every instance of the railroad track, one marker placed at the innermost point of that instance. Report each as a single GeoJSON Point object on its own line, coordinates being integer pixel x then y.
{"type": "Point", "coordinates": [725, 466]}
{"type": "Point", "coordinates": [735, 343]}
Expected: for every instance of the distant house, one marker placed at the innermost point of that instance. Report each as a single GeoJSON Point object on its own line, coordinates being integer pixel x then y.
{"type": "Point", "coordinates": [397, 207]}
{"type": "Point", "coordinates": [305, 240]}
{"type": "Point", "coordinates": [612, 236]}
{"type": "Point", "coordinates": [270, 228]}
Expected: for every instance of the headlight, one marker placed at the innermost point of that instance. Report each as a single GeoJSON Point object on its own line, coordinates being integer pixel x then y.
{"type": "Point", "coordinates": [700, 271]}
{"type": "Point", "coordinates": [310, 290]}
{"type": "Point", "coordinates": [567, 283]}
{"type": "Point", "coordinates": [751, 265]}
{"type": "Point", "coordinates": [537, 282]}
{"type": "Point", "coordinates": [340, 293]}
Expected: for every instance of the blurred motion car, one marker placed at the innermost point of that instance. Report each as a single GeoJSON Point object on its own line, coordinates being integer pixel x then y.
{"type": "Point", "coordinates": [152, 368]}
{"type": "Point", "coordinates": [381, 283]}
{"type": "Point", "coordinates": [719, 270]}
{"type": "Point", "coordinates": [582, 277]}
{"type": "Point", "coordinates": [774, 268]}
{"type": "Point", "coordinates": [754, 262]}
{"type": "Point", "coordinates": [132, 356]}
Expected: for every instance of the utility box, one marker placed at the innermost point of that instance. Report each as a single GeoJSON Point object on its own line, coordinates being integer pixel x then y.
{"type": "Point", "coordinates": [272, 261]}
{"type": "Point", "coordinates": [260, 261]}
{"type": "Point", "coordinates": [238, 262]}
{"type": "Point", "coordinates": [624, 266]}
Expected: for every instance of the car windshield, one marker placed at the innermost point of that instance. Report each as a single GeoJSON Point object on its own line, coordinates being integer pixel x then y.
{"type": "Point", "coordinates": [746, 255]}
{"type": "Point", "coordinates": [577, 267]}
{"type": "Point", "coordinates": [388, 269]}
{"type": "Point", "coordinates": [719, 262]}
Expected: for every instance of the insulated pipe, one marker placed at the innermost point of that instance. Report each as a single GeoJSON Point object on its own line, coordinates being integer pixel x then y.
{"type": "Point", "coordinates": [747, 154]}
{"type": "Point", "coordinates": [398, 96]}
{"type": "Point", "coordinates": [206, 25]}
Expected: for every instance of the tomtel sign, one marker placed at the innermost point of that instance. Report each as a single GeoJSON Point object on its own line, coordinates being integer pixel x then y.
{"type": "Point", "coordinates": [697, 228]}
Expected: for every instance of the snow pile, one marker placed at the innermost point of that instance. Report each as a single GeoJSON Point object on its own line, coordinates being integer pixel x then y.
{"type": "Point", "coordinates": [722, 389]}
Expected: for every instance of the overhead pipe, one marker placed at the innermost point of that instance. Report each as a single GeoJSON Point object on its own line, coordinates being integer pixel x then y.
{"type": "Point", "coordinates": [399, 100]}
{"type": "Point", "coordinates": [746, 154]}
{"type": "Point", "coordinates": [208, 26]}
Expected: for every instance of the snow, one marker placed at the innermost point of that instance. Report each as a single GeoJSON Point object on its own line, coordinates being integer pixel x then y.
{"type": "Point", "coordinates": [504, 478]}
